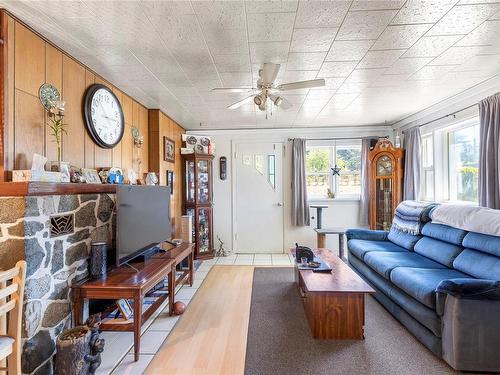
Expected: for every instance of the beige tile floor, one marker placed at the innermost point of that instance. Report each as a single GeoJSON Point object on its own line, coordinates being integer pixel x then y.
{"type": "Point", "coordinates": [117, 358]}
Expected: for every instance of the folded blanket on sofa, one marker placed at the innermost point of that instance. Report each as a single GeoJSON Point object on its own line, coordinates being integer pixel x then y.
{"type": "Point", "coordinates": [470, 218]}
{"type": "Point", "coordinates": [410, 216]}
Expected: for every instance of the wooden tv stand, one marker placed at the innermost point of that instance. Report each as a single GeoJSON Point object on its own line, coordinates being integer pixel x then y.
{"type": "Point", "coordinates": [127, 283]}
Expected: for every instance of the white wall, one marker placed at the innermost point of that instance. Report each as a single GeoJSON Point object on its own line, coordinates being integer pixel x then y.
{"type": "Point", "coordinates": [340, 213]}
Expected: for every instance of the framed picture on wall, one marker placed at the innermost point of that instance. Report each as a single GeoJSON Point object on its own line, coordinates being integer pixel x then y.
{"type": "Point", "coordinates": [170, 181]}
{"type": "Point", "coordinates": [168, 149]}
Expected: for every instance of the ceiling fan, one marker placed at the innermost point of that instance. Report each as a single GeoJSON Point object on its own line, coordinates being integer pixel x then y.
{"type": "Point", "coordinates": [266, 91]}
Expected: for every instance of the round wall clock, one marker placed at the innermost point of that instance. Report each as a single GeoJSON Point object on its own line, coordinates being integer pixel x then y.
{"type": "Point", "coordinates": [103, 116]}
{"type": "Point", "coordinates": [48, 95]}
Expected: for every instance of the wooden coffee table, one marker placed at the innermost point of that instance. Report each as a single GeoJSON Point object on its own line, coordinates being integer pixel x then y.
{"type": "Point", "coordinates": [334, 302]}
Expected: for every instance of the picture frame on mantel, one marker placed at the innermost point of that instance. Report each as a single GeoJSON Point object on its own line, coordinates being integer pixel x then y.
{"type": "Point", "coordinates": [168, 149]}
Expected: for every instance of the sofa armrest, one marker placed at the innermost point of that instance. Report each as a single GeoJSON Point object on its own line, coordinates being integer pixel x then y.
{"type": "Point", "coordinates": [470, 288]}
{"type": "Point", "coordinates": [366, 234]}
{"type": "Point", "coordinates": [470, 330]}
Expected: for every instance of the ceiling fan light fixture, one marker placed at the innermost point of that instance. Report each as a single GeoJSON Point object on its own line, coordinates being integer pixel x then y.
{"type": "Point", "coordinates": [278, 101]}
{"type": "Point", "coordinates": [257, 100]}
{"type": "Point", "coordinates": [262, 106]}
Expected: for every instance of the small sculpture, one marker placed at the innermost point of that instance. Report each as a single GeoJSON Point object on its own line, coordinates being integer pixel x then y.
{"type": "Point", "coordinates": [96, 344]}
{"type": "Point", "coordinates": [221, 252]}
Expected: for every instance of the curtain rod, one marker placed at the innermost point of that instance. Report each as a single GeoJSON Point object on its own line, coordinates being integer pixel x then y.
{"type": "Point", "coordinates": [448, 115]}
{"type": "Point", "coordinates": [338, 139]}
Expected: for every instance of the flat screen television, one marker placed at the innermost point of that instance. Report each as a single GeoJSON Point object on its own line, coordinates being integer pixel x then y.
{"type": "Point", "coordinates": [142, 219]}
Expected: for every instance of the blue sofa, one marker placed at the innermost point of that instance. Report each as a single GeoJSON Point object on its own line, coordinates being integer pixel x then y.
{"type": "Point", "coordinates": [443, 285]}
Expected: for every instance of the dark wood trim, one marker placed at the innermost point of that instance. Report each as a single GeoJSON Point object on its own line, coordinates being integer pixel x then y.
{"type": "Point", "coordinates": [20, 189]}
{"type": "Point", "coordinates": [3, 90]}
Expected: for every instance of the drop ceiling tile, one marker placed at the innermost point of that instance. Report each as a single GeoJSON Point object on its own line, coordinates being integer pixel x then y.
{"type": "Point", "coordinates": [296, 75]}
{"type": "Point", "coordinates": [320, 94]}
{"type": "Point", "coordinates": [432, 72]}
{"type": "Point", "coordinates": [312, 40]}
{"type": "Point", "coordinates": [234, 40]}
{"type": "Point", "coordinates": [390, 80]}
{"type": "Point", "coordinates": [220, 14]}
{"type": "Point", "coordinates": [423, 11]}
{"type": "Point", "coordinates": [270, 6]}
{"type": "Point", "coordinates": [348, 50]}
{"type": "Point", "coordinates": [236, 79]}
{"type": "Point", "coordinates": [340, 101]}
{"type": "Point", "coordinates": [364, 75]}
{"type": "Point", "coordinates": [352, 88]}
{"type": "Point", "coordinates": [294, 99]}
{"type": "Point", "coordinates": [486, 33]}
{"type": "Point", "coordinates": [321, 14]}
{"type": "Point", "coordinates": [275, 52]}
{"type": "Point", "coordinates": [376, 5]}
{"type": "Point", "coordinates": [331, 83]}
{"type": "Point", "coordinates": [463, 19]}
{"type": "Point", "coordinates": [270, 27]}
{"type": "Point", "coordinates": [408, 65]}
{"type": "Point", "coordinates": [305, 60]}
{"type": "Point", "coordinates": [432, 46]}
{"type": "Point", "coordinates": [337, 68]}
{"type": "Point", "coordinates": [232, 63]}
{"type": "Point", "coordinates": [399, 37]}
{"type": "Point", "coordinates": [380, 59]}
{"type": "Point", "coordinates": [456, 55]}
{"type": "Point", "coordinates": [365, 24]}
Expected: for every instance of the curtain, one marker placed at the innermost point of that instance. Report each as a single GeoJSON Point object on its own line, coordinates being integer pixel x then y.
{"type": "Point", "coordinates": [413, 163]}
{"type": "Point", "coordinates": [300, 207]}
{"type": "Point", "coordinates": [364, 202]}
{"type": "Point", "coordinates": [489, 152]}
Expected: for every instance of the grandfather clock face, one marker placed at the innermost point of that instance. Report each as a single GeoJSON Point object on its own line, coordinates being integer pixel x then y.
{"type": "Point", "coordinates": [384, 166]}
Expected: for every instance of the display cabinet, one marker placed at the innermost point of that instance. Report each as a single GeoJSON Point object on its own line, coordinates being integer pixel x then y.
{"type": "Point", "coordinates": [386, 183]}
{"type": "Point", "coordinates": [197, 201]}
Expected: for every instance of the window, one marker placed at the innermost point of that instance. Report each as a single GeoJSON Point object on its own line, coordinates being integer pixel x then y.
{"type": "Point", "coordinates": [450, 162]}
{"type": "Point", "coordinates": [321, 184]}
{"type": "Point", "coordinates": [463, 164]}
{"type": "Point", "coordinates": [428, 167]}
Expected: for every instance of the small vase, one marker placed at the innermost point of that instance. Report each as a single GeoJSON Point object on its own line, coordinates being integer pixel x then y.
{"type": "Point", "coordinates": [62, 167]}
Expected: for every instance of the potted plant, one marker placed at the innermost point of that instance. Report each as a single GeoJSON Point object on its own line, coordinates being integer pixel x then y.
{"type": "Point", "coordinates": [57, 126]}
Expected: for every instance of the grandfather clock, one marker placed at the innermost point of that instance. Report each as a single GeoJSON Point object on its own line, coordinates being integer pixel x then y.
{"type": "Point", "coordinates": [197, 201]}
{"type": "Point", "coordinates": [386, 183]}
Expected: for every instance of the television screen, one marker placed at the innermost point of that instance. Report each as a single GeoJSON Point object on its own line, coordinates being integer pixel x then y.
{"type": "Point", "coordinates": [142, 219]}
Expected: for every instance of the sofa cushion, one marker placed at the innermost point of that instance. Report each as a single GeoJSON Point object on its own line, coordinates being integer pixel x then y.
{"type": "Point", "coordinates": [478, 264]}
{"type": "Point", "coordinates": [483, 242]}
{"type": "Point", "coordinates": [444, 233]}
{"type": "Point", "coordinates": [385, 262]}
{"type": "Point", "coordinates": [403, 239]}
{"type": "Point", "coordinates": [442, 252]}
{"type": "Point", "coordinates": [360, 247]}
{"type": "Point", "coordinates": [421, 283]}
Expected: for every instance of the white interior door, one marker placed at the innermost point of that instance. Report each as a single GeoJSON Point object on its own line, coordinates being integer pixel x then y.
{"type": "Point", "coordinates": [258, 198]}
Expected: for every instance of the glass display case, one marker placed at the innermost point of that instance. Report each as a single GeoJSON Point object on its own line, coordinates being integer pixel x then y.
{"type": "Point", "coordinates": [386, 181]}
{"type": "Point", "coordinates": [197, 201]}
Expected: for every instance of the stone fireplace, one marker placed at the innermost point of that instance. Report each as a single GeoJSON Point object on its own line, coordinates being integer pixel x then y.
{"type": "Point", "coordinates": [53, 234]}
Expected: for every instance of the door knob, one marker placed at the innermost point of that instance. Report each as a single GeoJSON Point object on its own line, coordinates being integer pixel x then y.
{"type": "Point", "coordinates": [279, 204]}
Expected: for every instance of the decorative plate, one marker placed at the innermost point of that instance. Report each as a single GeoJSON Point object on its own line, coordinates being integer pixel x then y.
{"type": "Point", "coordinates": [191, 140]}
{"type": "Point", "coordinates": [205, 141]}
{"type": "Point", "coordinates": [48, 94]}
{"type": "Point", "coordinates": [199, 149]}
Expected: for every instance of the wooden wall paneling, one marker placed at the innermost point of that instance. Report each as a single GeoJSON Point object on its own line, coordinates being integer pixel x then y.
{"type": "Point", "coordinates": [73, 89]}
{"type": "Point", "coordinates": [29, 131]}
{"type": "Point", "coordinates": [53, 75]}
{"type": "Point", "coordinates": [128, 150]}
{"type": "Point", "coordinates": [153, 138]}
{"type": "Point", "coordinates": [144, 125]}
{"type": "Point", "coordinates": [117, 150]}
{"type": "Point", "coordinates": [178, 179]}
{"type": "Point", "coordinates": [89, 143]}
{"type": "Point", "coordinates": [103, 156]}
{"type": "Point", "coordinates": [29, 60]}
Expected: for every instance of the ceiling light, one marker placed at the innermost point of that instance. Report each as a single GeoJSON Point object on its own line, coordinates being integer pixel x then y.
{"type": "Point", "coordinates": [258, 99]}
{"type": "Point", "coordinates": [262, 106]}
{"type": "Point", "coordinates": [278, 100]}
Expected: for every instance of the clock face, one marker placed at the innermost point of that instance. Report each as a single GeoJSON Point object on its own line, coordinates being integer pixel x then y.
{"type": "Point", "coordinates": [384, 166]}
{"type": "Point", "coordinates": [104, 116]}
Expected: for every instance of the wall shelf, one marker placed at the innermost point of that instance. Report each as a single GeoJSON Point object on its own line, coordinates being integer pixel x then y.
{"type": "Point", "coordinates": [21, 189]}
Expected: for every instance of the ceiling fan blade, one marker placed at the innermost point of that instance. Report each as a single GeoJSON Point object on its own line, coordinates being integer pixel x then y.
{"type": "Point", "coordinates": [302, 84]}
{"type": "Point", "coordinates": [248, 99]}
{"type": "Point", "coordinates": [232, 89]}
{"type": "Point", "coordinates": [269, 73]}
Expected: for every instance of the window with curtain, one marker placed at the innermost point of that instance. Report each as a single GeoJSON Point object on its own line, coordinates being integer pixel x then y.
{"type": "Point", "coordinates": [320, 158]}
{"type": "Point", "coordinates": [428, 167]}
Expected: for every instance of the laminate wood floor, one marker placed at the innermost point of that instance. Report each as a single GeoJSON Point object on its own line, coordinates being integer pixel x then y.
{"type": "Point", "coordinates": [211, 336]}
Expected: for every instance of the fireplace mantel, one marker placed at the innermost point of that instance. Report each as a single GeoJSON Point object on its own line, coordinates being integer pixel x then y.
{"type": "Point", "coordinates": [22, 189]}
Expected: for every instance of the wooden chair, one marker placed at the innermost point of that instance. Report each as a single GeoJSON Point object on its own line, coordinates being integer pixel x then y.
{"type": "Point", "coordinates": [11, 312]}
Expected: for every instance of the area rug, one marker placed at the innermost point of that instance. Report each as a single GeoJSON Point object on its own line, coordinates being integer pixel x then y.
{"type": "Point", "coordinates": [280, 342]}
